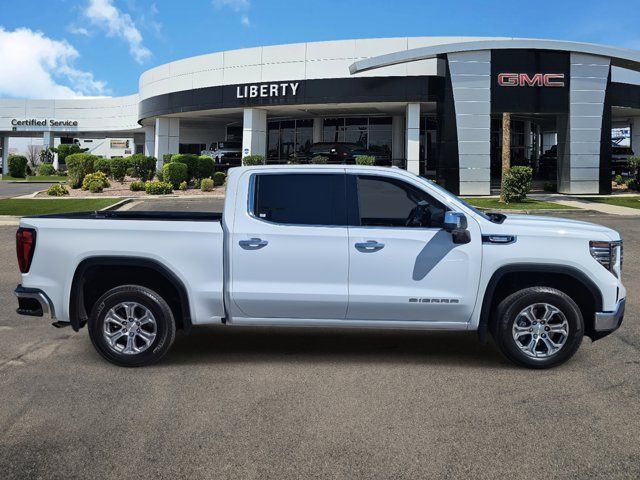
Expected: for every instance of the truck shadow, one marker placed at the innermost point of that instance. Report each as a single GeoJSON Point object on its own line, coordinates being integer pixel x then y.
{"type": "Point", "coordinates": [245, 344]}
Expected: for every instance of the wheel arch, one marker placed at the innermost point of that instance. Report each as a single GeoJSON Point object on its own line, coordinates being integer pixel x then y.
{"type": "Point", "coordinates": [548, 274]}
{"type": "Point", "coordinates": [78, 314]}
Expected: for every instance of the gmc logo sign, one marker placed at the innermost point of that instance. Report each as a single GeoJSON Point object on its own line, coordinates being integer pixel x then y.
{"type": "Point", "coordinates": [536, 80]}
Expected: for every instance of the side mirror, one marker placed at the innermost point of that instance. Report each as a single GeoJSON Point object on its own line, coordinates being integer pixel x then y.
{"type": "Point", "coordinates": [456, 224]}
{"type": "Point", "coordinates": [454, 221]}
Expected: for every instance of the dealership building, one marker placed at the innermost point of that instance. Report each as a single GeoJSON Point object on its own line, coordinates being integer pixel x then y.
{"type": "Point", "coordinates": [432, 105]}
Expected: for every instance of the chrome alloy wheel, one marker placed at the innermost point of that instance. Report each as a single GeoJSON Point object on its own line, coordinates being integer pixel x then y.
{"type": "Point", "coordinates": [129, 328]}
{"type": "Point", "coordinates": [540, 330]}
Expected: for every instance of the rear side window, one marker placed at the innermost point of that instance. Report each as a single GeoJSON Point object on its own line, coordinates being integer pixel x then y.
{"type": "Point", "coordinates": [301, 198]}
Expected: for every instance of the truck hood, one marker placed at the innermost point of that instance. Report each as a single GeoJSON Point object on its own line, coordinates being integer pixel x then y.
{"type": "Point", "coordinates": [560, 226]}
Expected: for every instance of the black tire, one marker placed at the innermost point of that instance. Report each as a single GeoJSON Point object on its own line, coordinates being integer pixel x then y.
{"type": "Point", "coordinates": [164, 329]}
{"type": "Point", "coordinates": [508, 312]}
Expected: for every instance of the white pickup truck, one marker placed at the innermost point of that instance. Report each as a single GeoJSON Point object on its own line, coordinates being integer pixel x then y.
{"type": "Point", "coordinates": [324, 246]}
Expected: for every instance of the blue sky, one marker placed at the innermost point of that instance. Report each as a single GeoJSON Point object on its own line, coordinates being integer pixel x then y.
{"type": "Point", "coordinates": [67, 48]}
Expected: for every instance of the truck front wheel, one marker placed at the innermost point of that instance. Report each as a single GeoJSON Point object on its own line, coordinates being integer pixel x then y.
{"type": "Point", "coordinates": [131, 326]}
{"type": "Point", "coordinates": [538, 327]}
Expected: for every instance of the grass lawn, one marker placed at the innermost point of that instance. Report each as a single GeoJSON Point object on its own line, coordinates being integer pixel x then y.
{"type": "Point", "coordinates": [631, 201]}
{"type": "Point", "coordinates": [37, 178]}
{"type": "Point", "coordinates": [528, 204]}
{"type": "Point", "coordinates": [21, 207]}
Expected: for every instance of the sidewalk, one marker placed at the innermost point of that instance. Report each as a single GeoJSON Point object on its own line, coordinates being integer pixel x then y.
{"type": "Point", "coordinates": [577, 202]}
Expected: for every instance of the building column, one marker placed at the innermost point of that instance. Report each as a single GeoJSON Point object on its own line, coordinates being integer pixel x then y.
{"type": "Point", "coordinates": [166, 138]}
{"type": "Point", "coordinates": [5, 155]}
{"type": "Point", "coordinates": [254, 132]}
{"type": "Point", "coordinates": [317, 129]}
{"type": "Point", "coordinates": [413, 137]}
{"type": "Point", "coordinates": [47, 142]}
{"type": "Point", "coordinates": [579, 171]}
{"type": "Point", "coordinates": [527, 140]}
{"type": "Point", "coordinates": [149, 141]}
{"type": "Point", "coordinates": [635, 135]}
{"type": "Point", "coordinates": [397, 139]}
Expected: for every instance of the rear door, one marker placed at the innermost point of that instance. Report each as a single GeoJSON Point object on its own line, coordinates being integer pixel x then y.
{"type": "Point", "coordinates": [402, 265]}
{"type": "Point", "coordinates": [289, 250]}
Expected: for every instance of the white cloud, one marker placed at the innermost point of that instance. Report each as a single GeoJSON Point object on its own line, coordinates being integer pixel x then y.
{"type": "Point", "coordinates": [238, 6]}
{"type": "Point", "coordinates": [103, 14]}
{"type": "Point", "coordinates": [35, 66]}
{"type": "Point", "coordinates": [78, 30]}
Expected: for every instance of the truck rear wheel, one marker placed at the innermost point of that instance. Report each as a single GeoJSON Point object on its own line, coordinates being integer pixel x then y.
{"type": "Point", "coordinates": [538, 327]}
{"type": "Point", "coordinates": [131, 326]}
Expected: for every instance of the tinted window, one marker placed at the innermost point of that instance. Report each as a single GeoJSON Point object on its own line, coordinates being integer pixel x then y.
{"type": "Point", "coordinates": [301, 199]}
{"type": "Point", "coordinates": [387, 202]}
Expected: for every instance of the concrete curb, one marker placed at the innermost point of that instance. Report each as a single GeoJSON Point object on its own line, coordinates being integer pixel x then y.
{"type": "Point", "coordinates": [116, 205]}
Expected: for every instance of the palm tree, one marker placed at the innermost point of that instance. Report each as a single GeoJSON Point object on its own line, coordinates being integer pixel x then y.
{"type": "Point", "coordinates": [506, 151]}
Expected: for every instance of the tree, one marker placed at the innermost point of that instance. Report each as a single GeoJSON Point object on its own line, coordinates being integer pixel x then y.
{"type": "Point", "coordinates": [67, 149]}
{"type": "Point", "coordinates": [506, 151]}
{"type": "Point", "coordinates": [33, 154]}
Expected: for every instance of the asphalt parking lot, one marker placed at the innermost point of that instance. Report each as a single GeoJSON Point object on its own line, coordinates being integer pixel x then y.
{"type": "Point", "coordinates": [251, 403]}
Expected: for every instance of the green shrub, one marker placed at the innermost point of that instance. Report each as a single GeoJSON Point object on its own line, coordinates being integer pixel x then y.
{"type": "Point", "coordinates": [320, 160]}
{"type": "Point", "coordinates": [95, 186]}
{"type": "Point", "coordinates": [632, 184]}
{"type": "Point", "coordinates": [166, 158]}
{"type": "Point", "coordinates": [159, 175]}
{"type": "Point", "coordinates": [92, 178]}
{"type": "Point", "coordinates": [79, 165]}
{"type": "Point", "coordinates": [517, 184]}
{"type": "Point", "coordinates": [158, 188]}
{"type": "Point", "coordinates": [206, 185]}
{"type": "Point", "coordinates": [206, 166]}
{"type": "Point", "coordinates": [18, 166]}
{"type": "Point", "coordinates": [251, 160]}
{"type": "Point", "coordinates": [102, 165]}
{"type": "Point", "coordinates": [136, 186]}
{"type": "Point", "coordinates": [196, 182]}
{"type": "Point", "coordinates": [118, 169]}
{"type": "Point", "coordinates": [67, 149]}
{"type": "Point", "coordinates": [57, 190]}
{"type": "Point", "coordinates": [219, 178]}
{"type": "Point", "coordinates": [190, 160]}
{"type": "Point", "coordinates": [365, 160]}
{"type": "Point", "coordinates": [294, 159]}
{"type": "Point", "coordinates": [618, 180]}
{"type": "Point", "coordinates": [46, 169]}
{"type": "Point", "coordinates": [143, 167]}
{"type": "Point", "coordinates": [175, 173]}
{"type": "Point", "coordinates": [182, 186]}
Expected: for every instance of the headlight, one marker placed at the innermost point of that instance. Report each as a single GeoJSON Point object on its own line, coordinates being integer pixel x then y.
{"type": "Point", "coordinates": [608, 254]}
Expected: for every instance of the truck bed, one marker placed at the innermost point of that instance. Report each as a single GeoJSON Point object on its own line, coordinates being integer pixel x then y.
{"type": "Point", "coordinates": [134, 215]}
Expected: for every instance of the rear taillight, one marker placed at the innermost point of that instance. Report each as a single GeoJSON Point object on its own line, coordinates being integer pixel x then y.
{"type": "Point", "coordinates": [25, 246]}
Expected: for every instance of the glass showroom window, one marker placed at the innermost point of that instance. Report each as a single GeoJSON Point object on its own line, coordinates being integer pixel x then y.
{"type": "Point", "coordinates": [286, 137]}
{"type": "Point", "coordinates": [380, 136]}
{"type": "Point", "coordinates": [374, 133]}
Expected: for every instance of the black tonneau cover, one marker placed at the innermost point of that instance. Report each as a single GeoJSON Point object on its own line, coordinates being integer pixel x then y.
{"type": "Point", "coordinates": [135, 215]}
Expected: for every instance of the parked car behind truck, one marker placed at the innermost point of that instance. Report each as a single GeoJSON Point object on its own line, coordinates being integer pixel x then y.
{"type": "Point", "coordinates": [331, 246]}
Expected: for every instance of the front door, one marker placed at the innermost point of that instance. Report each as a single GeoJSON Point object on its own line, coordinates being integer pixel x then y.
{"type": "Point", "coordinates": [289, 251]}
{"type": "Point", "coordinates": [402, 265]}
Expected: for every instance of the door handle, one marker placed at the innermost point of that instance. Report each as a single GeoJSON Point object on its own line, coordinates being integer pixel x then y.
{"type": "Point", "coordinates": [369, 246]}
{"type": "Point", "coordinates": [253, 243]}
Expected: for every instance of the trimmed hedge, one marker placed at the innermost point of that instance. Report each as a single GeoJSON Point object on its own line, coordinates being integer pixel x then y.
{"type": "Point", "coordinates": [102, 165]}
{"type": "Point", "coordinates": [251, 160]}
{"type": "Point", "coordinates": [78, 166]}
{"type": "Point", "coordinates": [365, 160]}
{"type": "Point", "coordinates": [118, 168]}
{"type": "Point", "coordinates": [158, 188]}
{"type": "Point", "coordinates": [18, 166]}
{"type": "Point", "coordinates": [183, 186]}
{"type": "Point", "coordinates": [320, 160]}
{"type": "Point", "coordinates": [190, 160]}
{"type": "Point", "coordinates": [46, 169]}
{"type": "Point", "coordinates": [137, 186]}
{"type": "Point", "coordinates": [206, 166]}
{"type": "Point", "coordinates": [517, 184]}
{"type": "Point", "coordinates": [143, 167]}
{"type": "Point", "coordinates": [219, 178]}
{"type": "Point", "coordinates": [206, 185]}
{"type": "Point", "coordinates": [57, 190]}
{"type": "Point", "coordinates": [175, 173]}
{"type": "Point", "coordinates": [166, 158]}
{"type": "Point", "coordinates": [95, 178]}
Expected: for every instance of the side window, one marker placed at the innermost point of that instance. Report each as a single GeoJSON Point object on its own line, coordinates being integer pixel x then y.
{"type": "Point", "coordinates": [387, 202]}
{"type": "Point", "coordinates": [300, 199]}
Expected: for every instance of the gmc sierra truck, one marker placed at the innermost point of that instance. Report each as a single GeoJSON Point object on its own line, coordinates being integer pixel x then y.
{"type": "Point", "coordinates": [324, 246]}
